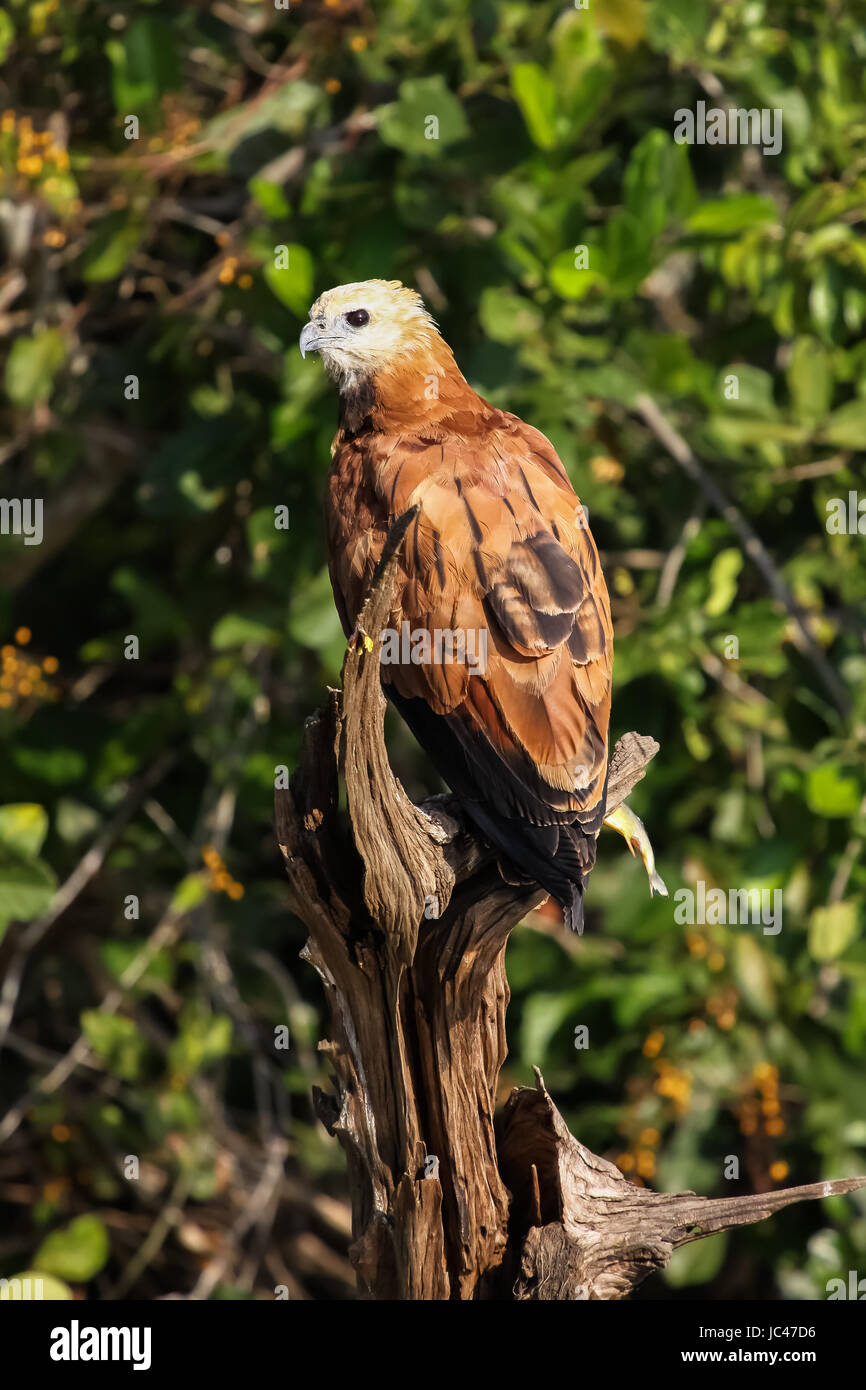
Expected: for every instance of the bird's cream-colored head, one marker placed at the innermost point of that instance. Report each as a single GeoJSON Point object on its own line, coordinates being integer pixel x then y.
{"type": "Point", "coordinates": [366, 328]}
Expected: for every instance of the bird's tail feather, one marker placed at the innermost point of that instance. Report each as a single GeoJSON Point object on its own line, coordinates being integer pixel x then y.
{"type": "Point", "coordinates": [556, 857]}
{"type": "Point", "coordinates": [572, 912]}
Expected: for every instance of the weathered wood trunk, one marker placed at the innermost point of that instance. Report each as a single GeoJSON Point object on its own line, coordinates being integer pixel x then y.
{"type": "Point", "coordinates": [409, 919]}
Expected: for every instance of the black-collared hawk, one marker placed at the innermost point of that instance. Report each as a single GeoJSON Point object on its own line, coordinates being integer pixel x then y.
{"type": "Point", "coordinates": [500, 546]}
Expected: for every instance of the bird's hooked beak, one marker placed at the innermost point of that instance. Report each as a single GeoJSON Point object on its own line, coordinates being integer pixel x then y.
{"type": "Point", "coordinates": [310, 339]}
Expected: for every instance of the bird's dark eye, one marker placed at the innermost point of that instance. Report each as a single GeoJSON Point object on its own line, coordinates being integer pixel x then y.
{"type": "Point", "coordinates": [357, 317]}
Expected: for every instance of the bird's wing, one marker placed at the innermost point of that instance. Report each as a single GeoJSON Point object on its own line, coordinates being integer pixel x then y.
{"type": "Point", "coordinates": [500, 546]}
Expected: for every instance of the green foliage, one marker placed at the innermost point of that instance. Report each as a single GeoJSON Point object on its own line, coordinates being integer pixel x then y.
{"type": "Point", "coordinates": [404, 123]}
{"type": "Point", "coordinates": [117, 1041]}
{"type": "Point", "coordinates": [575, 256]}
{"type": "Point", "coordinates": [77, 1252]}
{"type": "Point", "coordinates": [26, 883]}
{"type": "Point", "coordinates": [32, 365]}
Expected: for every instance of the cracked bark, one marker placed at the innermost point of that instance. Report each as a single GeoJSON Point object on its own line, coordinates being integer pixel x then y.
{"type": "Point", "coordinates": [409, 919]}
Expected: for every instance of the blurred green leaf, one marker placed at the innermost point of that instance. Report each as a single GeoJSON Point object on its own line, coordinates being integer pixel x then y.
{"type": "Point", "coordinates": [23, 828]}
{"type": "Point", "coordinates": [144, 65]}
{"type": "Point", "coordinates": [832, 929]}
{"type": "Point", "coordinates": [810, 378]}
{"type": "Point", "coordinates": [32, 365]}
{"type": "Point", "coordinates": [724, 573]}
{"type": "Point", "coordinates": [544, 1015]}
{"type": "Point", "coordinates": [536, 96]}
{"type": "Point", "coordinates": [7, 35]}
{"type": "Point", "coordinates": [508, 318]}
{"type": "Point", "coordinates": [735, 214]}
{"type": "Point", "coordinates": [293, 283]}
{"type": "Point", "coordinates": [270, 198]}
{"type": "Point", "coordinates": [75, 1253]}
{"type": "Point", "coordinates": [238, 630]}
{"type": "Point", "coordinates": [204, 1038]}
{"type": "Point", "coordinates": [658, 183]}
{"type": "Point", "coordinates": [190, 893]}
{"type": "Point", "coordinates": [753, 975]}
{"type": "Point", "coordinates": [846, 427]}
{"type": "Point", "coordinates": [26, 887]}
{"type": "Point", "coordinates": [110, 246]}
{"type": "Point", "coordinates": [117, 1041]}
{"type": "Point", "coordinates": [425, 119]}
{"type": "Point", "coordinates": [287, 109]}
{"type": "Point", "coordinates": [117, 956]}
{"type": "Point", "coordinates": [313, 621]}
{"type": "Point", "coordinates": [697, 1263]}
{"type": "Point", "coordinates": [571, 278]}
{"type": "Point", "coordinates": [830, 791]}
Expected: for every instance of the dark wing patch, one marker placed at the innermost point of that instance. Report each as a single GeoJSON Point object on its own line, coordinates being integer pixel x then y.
{"type": "Point", "coordinates": [534, 602]}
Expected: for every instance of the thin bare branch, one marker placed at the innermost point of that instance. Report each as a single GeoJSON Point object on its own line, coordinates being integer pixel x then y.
{"type": "Point", "coordinates": [751, 543]}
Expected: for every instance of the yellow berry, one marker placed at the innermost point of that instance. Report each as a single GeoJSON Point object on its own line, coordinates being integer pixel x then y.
{"type": "Point", "coordinates": [646, 1163]}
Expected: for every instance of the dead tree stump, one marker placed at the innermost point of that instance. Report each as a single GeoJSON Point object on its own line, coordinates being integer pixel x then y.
{"type": "Point", "coordinates": [408, 919]}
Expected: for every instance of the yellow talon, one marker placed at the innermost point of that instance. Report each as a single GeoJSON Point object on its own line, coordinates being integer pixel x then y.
{"type": "Point", "coordinates": [360, 638]}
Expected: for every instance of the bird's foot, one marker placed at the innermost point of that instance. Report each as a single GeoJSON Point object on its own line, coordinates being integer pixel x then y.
{"type": "Point", "coordinates": [360, 639]}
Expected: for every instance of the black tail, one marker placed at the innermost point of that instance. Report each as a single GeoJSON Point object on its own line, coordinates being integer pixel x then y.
{"type": "Point", "coordinates": [556, 857]}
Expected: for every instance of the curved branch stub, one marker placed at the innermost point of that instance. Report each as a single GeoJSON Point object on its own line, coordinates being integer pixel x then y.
{"type": "Point", "coordinates": [593, 1234]}
{"type": "Point", "coordinates": [404, 869]}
